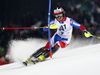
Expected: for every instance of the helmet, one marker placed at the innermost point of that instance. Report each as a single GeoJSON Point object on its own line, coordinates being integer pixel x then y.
{"type": "Point", "coordinates": [59, 10]}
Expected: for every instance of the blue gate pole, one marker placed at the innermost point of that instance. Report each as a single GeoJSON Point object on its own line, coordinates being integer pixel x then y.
{"type": "Point", "coordinates": [49, 28]}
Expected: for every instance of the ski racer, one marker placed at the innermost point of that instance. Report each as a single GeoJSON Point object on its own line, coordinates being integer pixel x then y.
{"type": "Point", "coordinates": [60, 39]}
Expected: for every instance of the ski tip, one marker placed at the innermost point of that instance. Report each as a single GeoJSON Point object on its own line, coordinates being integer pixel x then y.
{"type": "Point", "coordinates": [25, 63]}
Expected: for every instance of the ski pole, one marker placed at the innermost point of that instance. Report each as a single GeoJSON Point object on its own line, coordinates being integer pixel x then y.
{"type": "Point", "coordinates": [51, 27]}
{"type": "Point", "coordinates": [96, 37]}
{"type": "Point", "coordinates": [90, 35]}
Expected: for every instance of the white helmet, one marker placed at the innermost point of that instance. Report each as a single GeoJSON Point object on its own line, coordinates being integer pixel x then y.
{"type": "Point", "coordinates": [59, 10]}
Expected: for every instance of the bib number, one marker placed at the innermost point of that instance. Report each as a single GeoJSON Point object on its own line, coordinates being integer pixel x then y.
{"type": "Point", "coordinates": [62, 28]}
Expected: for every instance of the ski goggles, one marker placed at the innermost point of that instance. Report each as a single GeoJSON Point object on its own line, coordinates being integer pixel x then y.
{"type": "Point", "coordinates": [58, 15]}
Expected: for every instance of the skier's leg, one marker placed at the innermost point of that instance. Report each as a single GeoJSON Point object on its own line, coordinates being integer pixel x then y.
{"type": "Point", "coordinates": [39, 52]}
{"type": "Point", "coordinates": [34, 57]}
{"type": "Point", "coordinates": [46, 54]}
{"type": "Point", "coordinates": [55, 48]}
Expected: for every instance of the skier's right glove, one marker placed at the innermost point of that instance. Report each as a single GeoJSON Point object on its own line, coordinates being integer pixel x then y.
{"type": "Point", "coordinates": [87, 34]}
{"type": "Point", "coordinates": [45, 29]}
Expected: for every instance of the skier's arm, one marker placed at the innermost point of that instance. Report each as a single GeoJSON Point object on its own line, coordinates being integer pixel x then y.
{"type": "Point", "coordinates": [81, 27]}
{"type": "Point", "coordinates": [77, 25]}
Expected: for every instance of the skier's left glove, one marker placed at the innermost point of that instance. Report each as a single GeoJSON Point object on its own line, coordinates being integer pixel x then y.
{"type": "Point", "coordinates": [87, 34]}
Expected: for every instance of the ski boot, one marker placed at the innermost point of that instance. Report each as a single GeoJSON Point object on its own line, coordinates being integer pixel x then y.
{"type": "Point", "coordinates": [41, 58]}
{"type": "Point", "coordinates": [27, 61]}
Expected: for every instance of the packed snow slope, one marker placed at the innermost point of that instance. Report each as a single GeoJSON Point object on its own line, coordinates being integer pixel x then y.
{"type": "Point", "coordinates": [83, 60]}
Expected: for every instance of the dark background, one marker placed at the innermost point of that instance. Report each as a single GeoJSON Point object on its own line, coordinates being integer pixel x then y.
{"type": "Point", "coordinates": [14, 9]}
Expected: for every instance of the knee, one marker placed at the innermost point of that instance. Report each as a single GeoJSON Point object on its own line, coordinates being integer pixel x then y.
{"type": "Point", "coordinates": [63, 44]}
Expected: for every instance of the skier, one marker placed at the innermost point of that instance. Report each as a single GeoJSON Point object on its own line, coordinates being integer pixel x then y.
{"type": "Point", "coordinates": [60, 39]}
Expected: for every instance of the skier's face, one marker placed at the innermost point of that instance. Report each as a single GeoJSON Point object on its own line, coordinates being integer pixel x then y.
{"type": "Point", "coordinates": [59, 17]}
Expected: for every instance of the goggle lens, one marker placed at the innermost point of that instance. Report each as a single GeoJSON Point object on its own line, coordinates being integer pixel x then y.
{"type": "Point", "coordinates": [58, 15]}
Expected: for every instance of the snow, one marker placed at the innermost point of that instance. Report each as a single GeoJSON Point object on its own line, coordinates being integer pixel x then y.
{"type": "Point", "coordinates": [83, 60]}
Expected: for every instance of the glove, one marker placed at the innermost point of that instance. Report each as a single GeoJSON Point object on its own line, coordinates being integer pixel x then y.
{"type": "Point", "coordinates": [45, 29]}
{"type": "Point", "coordinates": [87, 34]}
